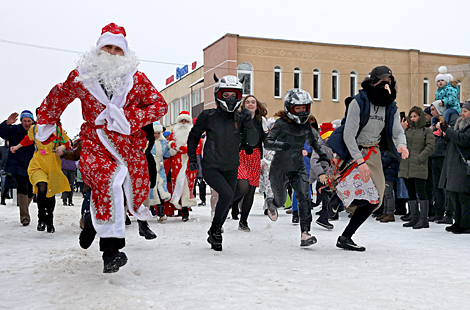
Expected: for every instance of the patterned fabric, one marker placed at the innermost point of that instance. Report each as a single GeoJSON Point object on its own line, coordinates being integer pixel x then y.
{"type": "Point", "coordinates": [449, 95]}
{"type": "Point", "coordinates": [264, 183]}
{"type": "Point", "coordinates": [250, 167]}
{"type": "Point", "coordinates": [352, 187]}
{"type": "Point", "coordinates": [107, 154]}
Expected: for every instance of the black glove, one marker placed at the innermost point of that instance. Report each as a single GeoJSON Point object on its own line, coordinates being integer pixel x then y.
{"type": "Point", "coordinates": [249, 151]}
{"type": "Point", "coordinates": [324, 158]}
{"type": "Point", "coordinates": [193, 166]}
{"type": "Point", "coordinates": [285, 146]}
{"type": "Point", "coordinates": [245, 115]}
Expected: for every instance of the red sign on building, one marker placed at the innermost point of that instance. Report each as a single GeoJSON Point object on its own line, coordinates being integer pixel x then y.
{"type": "Point", "coordinates": [170, 79]}
{"type": "Point", "coordinates": [194, 65]}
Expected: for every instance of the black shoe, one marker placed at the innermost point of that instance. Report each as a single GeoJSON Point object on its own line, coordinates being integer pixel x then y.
{"type": "Point", "coordinates": [87, 235]}
{"type": "Point", "coordinates": [71, 204]}
{"type": "Point", "coordinates": [243, 226]}
{"type": "Point", "coordinates": [113, 260]}
{"type": "Point", "coordinates": [50, 228]}
{"type": "Point", "coordinates": [3, 203]}
{"type": "Point", "coordinates": [446, 220]}
{"type": "Point", "coordinates": [185, 214]}
{"type": "Point", "coordinates": [215, 237]}
{"type": "Point", "coordinates": [266, 212]}
{"type": "Point", "coordinates": [437, 217]}
{"type": "Point", "coordinates": [406, 217]}
{"type": "Point", "coordinates": [272, 209]}
{"type": "Point", "coordinates": [318, 212]}
{"type": "Point", "coordinates": [334, 218]}
{"type": "Point", "coordinates": [452, 227]}
{"type": "Point", "coordinates": [306, 239]}
{"type": "Point", "coordinates": [145, 231]}
{"type": "Point", "coordinates": [295, 217]}
{"type": "Point", "coordinates": [462, 230]}
{"type": "Point", "coordinates": [41, 226]}
{"type": "Point", "coordinates": [128, 220]}
{"type": "Point", "coordinates": [64, 202]}
{"type": "Point", "coordinates": [347, 244]}
{"type": "Point", "coordinates": [202, 204]}
{"type": "Point", "coordinates": [323, 222]}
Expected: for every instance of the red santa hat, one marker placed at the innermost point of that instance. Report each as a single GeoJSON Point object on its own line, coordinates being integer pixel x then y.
{"type": "Point", "coordinates": [184, 115]}
{"type": "Point", "coordinates": [113, 34]}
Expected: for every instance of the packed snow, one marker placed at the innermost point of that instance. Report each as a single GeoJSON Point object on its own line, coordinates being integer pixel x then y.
{"type": "Point", "coordinates": [266, 268]}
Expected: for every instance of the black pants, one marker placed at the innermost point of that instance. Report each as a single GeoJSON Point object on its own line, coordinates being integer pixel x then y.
{"type": "Point", "coordinates": [324, 197]}
{"type": "Point", "coordinates": [246, 192]}
{"type": "Point", "coordinates": [202, 189]}
{"type": "Point", "coordinates": [461, 203]}
{"type": "Point", "coordinates": [439, 194]}
{"type": "Point", "coordinates": [224, 183]}
{"type": "Point", "coordinates": [416, 186]}
{"type": "Point", "coordinates": [359, 217]}
{"type": "Point", "coordinates": [70, 175]}
{"type": "Point", "coordinates": [24, 186]}
{"type": "Point", "coordinates": [299, 181]}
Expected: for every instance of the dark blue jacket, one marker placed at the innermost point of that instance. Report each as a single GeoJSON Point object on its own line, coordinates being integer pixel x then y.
{"type": "Point", "coordinates": [336, 142]}
{"type": "Point", "coordinates": [18, 162]}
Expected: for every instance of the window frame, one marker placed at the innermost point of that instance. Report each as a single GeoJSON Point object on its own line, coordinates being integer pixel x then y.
{"type": "Point", "coordinates": [425, 91]}
{"type": "Point", "coordinates": [298, 71]}
{"type": "Point", "coordinates": [278, 70]}
{"type": "Point", "coordinates": [317, 72]}
{"type": "Point", "coordinates": [335, 76]}
{"type": "Point", "coordinates": [248, 72]}
{"type": "Point", "coordinates": [354, 88]}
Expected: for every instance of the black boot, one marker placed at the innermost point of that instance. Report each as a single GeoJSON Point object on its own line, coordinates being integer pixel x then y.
{"type": "Point", "coordinates": [87, 235]}
{"type": "Point", "coordinates": [50, 214]}
{"type": "Point", "coordinates": [185, 214]}
{"type": "Point", "coordinates": [113, 260]}
{"type": "Point", "coordinates": [447, 219]}
{"type": "Point", "coordinates": [295, 217]}
{"type": "Point", "coordinates": [41, 226]}
{"type": "Point", "coordinates": [4, 196]}
{"type": "Point", "coordinates": [413, 204]}
{"type": "Point", "coordinates": [215, 237]}
{"type": "Point", "coordinates": [406, 217]}
{"type": "Point", "coordinates": [423, 215]}
{"type": "Point", "coordinates": [145, 231]}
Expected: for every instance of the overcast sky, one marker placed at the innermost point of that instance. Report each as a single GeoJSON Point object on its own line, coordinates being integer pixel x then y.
{"type": "Point", "coordinates": [177, 31]}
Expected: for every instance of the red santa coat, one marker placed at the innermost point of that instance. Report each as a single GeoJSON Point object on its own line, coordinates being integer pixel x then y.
{"type": "Point", "coordinates": [182, 179]}
{"type": "Point", "coordinates": [110, 160]}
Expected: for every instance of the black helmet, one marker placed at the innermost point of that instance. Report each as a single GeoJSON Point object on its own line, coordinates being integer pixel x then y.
{"type": "Point", "coordinates": [228, 83]}
{"type": "Point", "coordinates": [297, 97]}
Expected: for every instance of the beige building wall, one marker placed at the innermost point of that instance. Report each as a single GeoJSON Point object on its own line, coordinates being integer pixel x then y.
{"type": "Point", "coordinates": [410, 67]}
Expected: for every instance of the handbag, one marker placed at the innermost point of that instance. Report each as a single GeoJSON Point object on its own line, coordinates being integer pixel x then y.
{"type": "Point", "coordinates": [466, 162]}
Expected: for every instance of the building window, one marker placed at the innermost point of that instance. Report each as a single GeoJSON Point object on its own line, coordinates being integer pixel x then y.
{"type": "Point", "coordinates": [165, 121]}
{"type": "Point", "coordinates": [316, 84]}
{"type": "Point", "coordinates": [335, 85]}
{"type": "Point", "coordinates": [297, 77]}
{"type": "Point", "coordinates": [184, 103]}
{"type": "Point", "coordinates": [459, 86]}
{"type": "Point", "coordinates": [175, 110]}
{"type": "Point", "coordinates": [245, 72]}
{"type": "Point", "coordinates": [426, 91]}
{"type": "Point", "coordinates": [277, 82]}
{"type": "Point", "coordinates": [353, 82]}
{"type": "Point", "coordinates": [195, 97]}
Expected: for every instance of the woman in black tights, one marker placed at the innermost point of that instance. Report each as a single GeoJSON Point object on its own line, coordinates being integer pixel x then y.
{"type": "Point", "coordinates": [250, 165]}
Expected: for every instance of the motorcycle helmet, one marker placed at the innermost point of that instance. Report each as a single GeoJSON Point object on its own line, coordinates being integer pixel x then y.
{"type": "Point", "coordinates": [297, 97]}
{"type": "Point", "coordinates": [228, 83]}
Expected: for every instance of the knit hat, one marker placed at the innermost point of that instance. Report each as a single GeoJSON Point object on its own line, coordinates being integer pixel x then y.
{"type": "Point", "coordinates": [440, 109]}
{"type": "Point", "coordinates": [166, 133]}
{"type": "Point", "coordinates": [326, 129]}
{"type": "Point", "coordinates": [443, 75]}
{"type": "Point", "coordinates": [466, 105]}
{"type": "Point", "coordinates": [26, 113]}
{"type": "Point", "coordinates": [113, 34]}
{"type": "Point", "coordinates": [428, 111]}
{"type": "Point", "coordinates": [184, 115]}
{"type": "Point", "coordinates": [157, 127]}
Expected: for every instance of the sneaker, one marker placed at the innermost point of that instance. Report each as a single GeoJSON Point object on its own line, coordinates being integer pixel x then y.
{"type": "Point", "coordinates": [41, 226]}
{"type": "Point", "coordinates": [307, 239]}
{"type": "Point", "coordinates": [163, 218]}
{"type": "Point", "coordinates": [333, 205]}
{"type": "Point", "coordinates": [113, 260]}
{"type": "Point", "coordinates": [334, 218]}
{"type": "Point", "coordinates": [347, 244]}
{"type": "Point", "coordinates": [446, 220]}
{"type": "Point", "coordinates": [452, 227]}
{"type": "Point", "coordinates": [272, 210]}
{"type": "Point", "coordinates": [71, 204]}
{"type": "Point", "coordinates": [323, 222]}
{"type": "Point", "coordinates": [243, 226]}
{"type": "Point", "coordinates": [202, 204]}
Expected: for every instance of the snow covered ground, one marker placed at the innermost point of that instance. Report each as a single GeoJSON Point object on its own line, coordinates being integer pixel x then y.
{"type": "Point", "coordinates": [264, 269]}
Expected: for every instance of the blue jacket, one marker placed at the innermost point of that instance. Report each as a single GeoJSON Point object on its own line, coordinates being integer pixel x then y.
{"type": "Point", "coordinates": [449, 94]}
{"type": "Point", "coordinates": [18, 162]}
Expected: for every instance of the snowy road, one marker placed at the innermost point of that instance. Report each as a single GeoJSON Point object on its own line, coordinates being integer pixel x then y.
{"type": "Point", "coordinates": [264, 269]}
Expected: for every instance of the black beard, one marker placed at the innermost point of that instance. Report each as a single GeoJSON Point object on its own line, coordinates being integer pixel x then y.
{"type": "Point", "coordinates": [379, 96]}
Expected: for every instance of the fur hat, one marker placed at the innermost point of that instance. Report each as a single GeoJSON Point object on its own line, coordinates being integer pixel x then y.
{"type": "Point", "coordinates": [157, 127]}
{"type": "Point", "coordinates": [184, 115]}
{"type": "Point", "coordinates": [443, 75]}
{"type": "Point", "coordinates": [113, 34]}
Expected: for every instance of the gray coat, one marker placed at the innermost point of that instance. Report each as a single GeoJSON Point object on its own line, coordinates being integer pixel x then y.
{"type": "Point", "coordinates": [420, 142]}
{"type": "Point", "coordinates": [319, 168]}
{"type": "Point", "coordinates": [453, 175]}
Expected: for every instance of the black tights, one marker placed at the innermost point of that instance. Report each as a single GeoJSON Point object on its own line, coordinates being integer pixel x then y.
{"type": "Point", "coordinates": [224, 183]}
{"type": "Point", "coordinates": [45, 205]}
{"type": "Point", "coordinates": [246, 192]}
{"type": "Point", "coordinates": [360, 216]}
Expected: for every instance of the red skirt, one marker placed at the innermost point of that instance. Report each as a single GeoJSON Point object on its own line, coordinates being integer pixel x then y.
{"type": "Point", "coordinates": [250, 167]}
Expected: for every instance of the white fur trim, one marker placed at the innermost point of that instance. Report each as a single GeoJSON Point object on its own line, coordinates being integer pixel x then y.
{"type": "Point", "coordinates": [109, 38]}
{"type": "Point", "coordinates": [158, 128]}
{"type": "Point", "coordinates": [180, 182]}
{"type": "Point", "coordinates": [184, 116]}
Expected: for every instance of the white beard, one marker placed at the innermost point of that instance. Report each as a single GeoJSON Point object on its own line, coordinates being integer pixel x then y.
{"type": "Point", "coordinates": [181, 133]}
{"type": "Point", "coordinates": [100, 67]}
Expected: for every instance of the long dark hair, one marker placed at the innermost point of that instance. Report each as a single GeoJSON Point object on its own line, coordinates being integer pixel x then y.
{"type": "Point", "coordinates": [260, 107]}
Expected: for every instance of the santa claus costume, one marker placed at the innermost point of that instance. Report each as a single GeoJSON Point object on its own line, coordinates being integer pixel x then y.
{"type": "Point", "coordinates": [182, 179]}
{"type": "Point", "coordinates": [117, 101]}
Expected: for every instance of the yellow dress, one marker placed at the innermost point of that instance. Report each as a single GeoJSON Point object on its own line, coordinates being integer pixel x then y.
{"type": "Point", "coordinates": [45, 166]}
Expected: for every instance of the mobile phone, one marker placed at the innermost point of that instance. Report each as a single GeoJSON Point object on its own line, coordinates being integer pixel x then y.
{"type": "Point", "coordinates": [402, 115]}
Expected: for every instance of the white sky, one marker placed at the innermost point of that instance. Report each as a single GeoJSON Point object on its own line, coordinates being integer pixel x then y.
{"type": "Point", "coordinates": [177, 31]}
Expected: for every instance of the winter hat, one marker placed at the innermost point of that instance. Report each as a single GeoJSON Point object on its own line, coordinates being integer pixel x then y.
{"type": "Point", "coordinates": [440, 109]}
{"type": "Point", "coordinates": [381, 72]}
{"type": "Point", "coordinates": [326, 129]}
{"type": "Point", "coordinates": [26, 113]}
{"type": "Point", "coordinates": [428, 111]}
{"type": "Point", "coordinates": [166, 133]}
{"type": "Point", "coordinates": [157, 127]}
{"type": "Point", "coordinates": [466, 105]}
{"type": "Point", "coordinates": [184, 115]}
{"type": "Point", "coordinates": [443, 75]}
{"type": "Point", "coordinates": [113, 34]}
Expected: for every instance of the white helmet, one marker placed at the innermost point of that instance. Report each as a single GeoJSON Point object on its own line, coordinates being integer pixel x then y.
{"type": "Point", "coordinates": [297, 97]}
{"type": "Point", "coordinates": [228, 83]}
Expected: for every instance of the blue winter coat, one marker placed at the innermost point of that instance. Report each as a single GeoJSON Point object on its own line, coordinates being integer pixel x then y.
{"type": "Point", "coordinates": [18, 162]}
{"type": "Point", "coordinates": [449, 94]}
